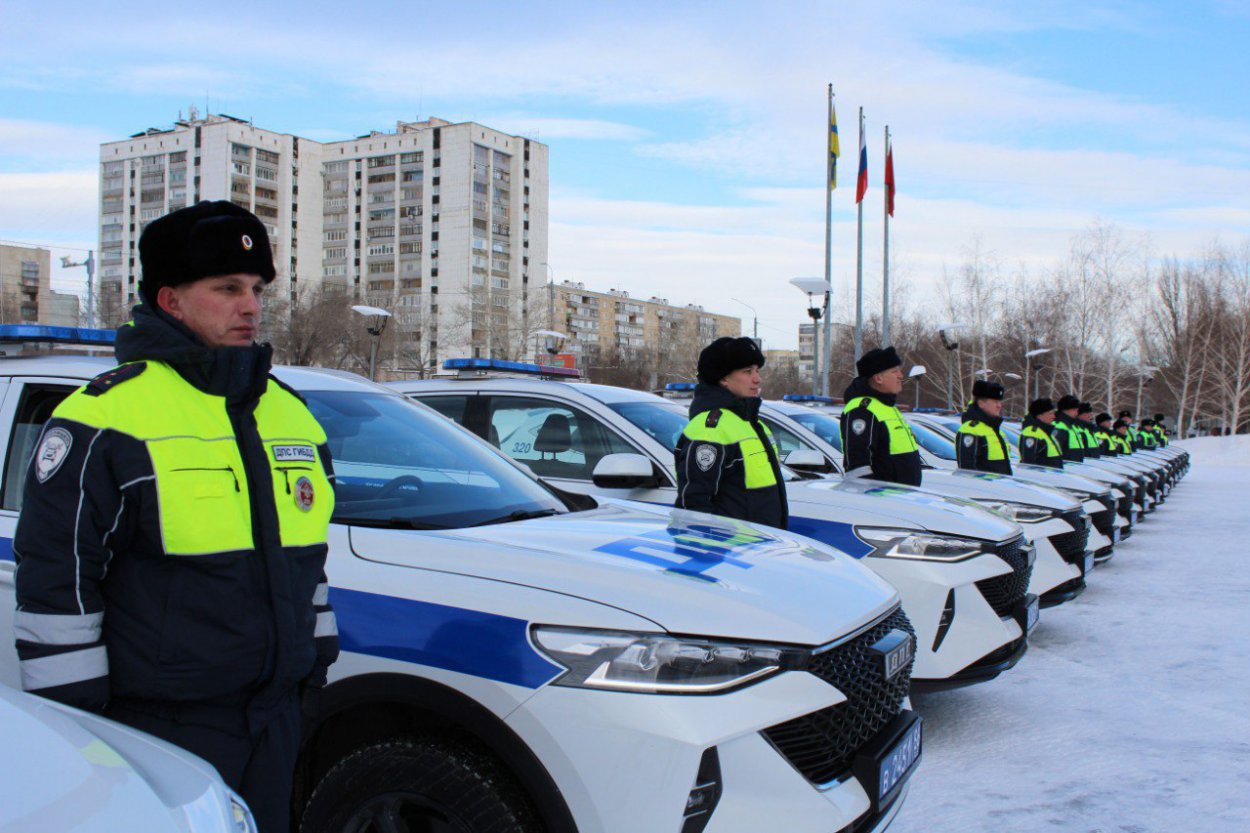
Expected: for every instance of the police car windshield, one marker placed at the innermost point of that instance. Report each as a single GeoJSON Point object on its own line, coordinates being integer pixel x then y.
{"type": "Point", "coordinates": [822, 425]}
{"type": "Point", "coordinates": [933, 442]}
{"type": "Point", "coordinates": [661, 421]}
{"type": "Point", "coordinates": [397, 464]}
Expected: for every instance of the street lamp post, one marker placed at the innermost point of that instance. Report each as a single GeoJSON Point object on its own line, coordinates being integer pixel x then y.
{"type": "Point", "coordinates": [1145, 372]}
{"type": "Point", "coordinates": [813, 287]}
{"type": "Point", "coordinates": [951, 346]}
{"type": "Point", "coordinates": [66, 263]}
{"type": "Point", "coordinates": [1028, 359]}
{"type": "Point", "coordinates": [377, 318]}
{"type": "Point", "coordinates": [755, 321]}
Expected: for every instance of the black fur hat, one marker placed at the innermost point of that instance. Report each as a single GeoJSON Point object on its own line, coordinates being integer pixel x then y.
{"type": "Point", "coordinates": [875, 361]}
{"type": "Point", "coordinates": [1040, 406]}
{"type": "Point", "coordinates": [201, 241]}
{"type": "Point", "coordinates": [1103, 417]}
{"type": "Point", "coordinates": [725, 355]}
{"type": "Point", "coordinates": [983, 389]}
{"type": "Point", "coordinates": [1125, 415]}
{"type": "Point", "coordinates": [1068, 401]}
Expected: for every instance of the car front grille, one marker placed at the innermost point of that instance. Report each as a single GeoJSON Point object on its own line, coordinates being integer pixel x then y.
{"type": "Point", "coordinates": [822, 745]}
{"type": "Point", "coordinates": [1125, 506]}
{"type": "Point", "coordinates": [1104, 521]}
{"type": "Point", "coordinates": [1071, 545]}
{"type": "Point", "coordinates": [1006, 591]}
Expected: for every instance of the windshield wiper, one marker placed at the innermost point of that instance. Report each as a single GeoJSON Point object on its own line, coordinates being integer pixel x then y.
{"type": "Point", "coordinates": [518, 515]}
{"type": "Point", "coordinates": [388, 523]}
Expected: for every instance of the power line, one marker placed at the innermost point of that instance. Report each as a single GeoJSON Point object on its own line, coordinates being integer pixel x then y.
{"type": "Point", "coordinates": [44, 245]}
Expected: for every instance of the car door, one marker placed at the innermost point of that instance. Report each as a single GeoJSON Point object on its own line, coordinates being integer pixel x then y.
{"type": "Point", "coordinates": [27, 405]}
{"type": "Point", "coordinates": [563, 442]}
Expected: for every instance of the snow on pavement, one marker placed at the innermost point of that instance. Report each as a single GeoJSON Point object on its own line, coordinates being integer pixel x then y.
{"type": "Point", "coordinates": [1129, 712]}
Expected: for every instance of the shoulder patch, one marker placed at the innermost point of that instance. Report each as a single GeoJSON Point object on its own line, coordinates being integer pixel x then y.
{"type": "Point", "coordinates": [112, 378]}
{"type": "Point", "coordinates": [713, 417]}
{"type": "Point", "coordinates": [969, 439]}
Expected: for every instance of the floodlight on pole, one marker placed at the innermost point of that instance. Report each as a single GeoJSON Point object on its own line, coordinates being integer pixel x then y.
{"type": "Point", "coordinates": [377, 318]}
{"type": "Point", "coordinates": [755, 320]}
{"type": "Point", "coordinates": [67, 263]}
{"type": "Point", "coordinates": [812, 287]}
{"type": "Point", "coordinates": [950, 346]}
{"type": "Point", "coordinates": [1028, 360]}
{"type": "Point", "coordinates": [552, 341]}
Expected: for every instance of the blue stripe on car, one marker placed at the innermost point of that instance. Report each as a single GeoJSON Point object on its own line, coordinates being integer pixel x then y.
{"type": "Point", "coordinates": [440, 636]}
{"type": "Point", "coordinates": [837, 535]}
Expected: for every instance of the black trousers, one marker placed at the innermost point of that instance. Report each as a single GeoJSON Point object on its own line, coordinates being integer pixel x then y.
{"type": "Point", "coordinates": [254, 754]}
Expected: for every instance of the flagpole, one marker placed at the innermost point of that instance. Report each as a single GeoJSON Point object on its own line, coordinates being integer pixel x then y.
{"type": "Point", "coordinates": [827, 356]}
{"type": "Point", "coordinates": [859, 259]}
{"type": "Point", "coordinates": [885, 257]}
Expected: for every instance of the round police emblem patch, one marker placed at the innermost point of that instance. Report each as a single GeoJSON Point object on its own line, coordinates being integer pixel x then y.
{"type": "Point", "coordinates": [246, 240]}
{"type": "Point", "coordinates": [705, 457]}
{"type": "Point", "coordinates": [52, 452]}
{"type": "Point", "coordinates": [304, 494]}
{"type": "Point", "coordinates": [1028, 441]}
{"type": "Point", "coordinates": [859, 425]}
{"type": "Point", "coordinates": [968, 439]}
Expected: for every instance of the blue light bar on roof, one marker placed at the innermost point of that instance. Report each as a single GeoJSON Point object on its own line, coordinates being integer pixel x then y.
{"type": "Point", "coordinates": [680, 386]}
{"type": "Point", "coordinates": [499, 365]}
{"type": "Point", "coordinates": [809, 397]}
{"type": "Point", "coordinates": [56, 335]}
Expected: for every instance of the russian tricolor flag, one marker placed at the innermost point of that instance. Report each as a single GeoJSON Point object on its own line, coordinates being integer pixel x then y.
{"type": "Point", "coordinates": [861, 186]}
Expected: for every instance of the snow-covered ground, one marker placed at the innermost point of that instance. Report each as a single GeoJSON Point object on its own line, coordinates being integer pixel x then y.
{"type": "Point", "coordinates": [1131, 711]}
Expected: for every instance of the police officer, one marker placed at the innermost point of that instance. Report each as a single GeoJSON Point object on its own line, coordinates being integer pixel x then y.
{"type": "Point", "coordinates": [1037, 442]}
{"type": "Point", "coordinates": [1147, 434]}
{"type": "Point", "coordinates": [876, 441]}
{"type": "Point", "coordinates": [1132, 433]}
{"type": "Point", "coordinates": [1089, 431]}
{"type": "Point", "coordinates": [172, 540]}
{"type": "Point", "coordinates": [1066, 432]}
{"type": "Point", "coordinates": [980, 445]}
{"type": "Point", "coordinates": [1107, 443]}
{"type": "Point", "coordinates": [1123, 436]}
{"type": "Point", "coordinates": [1161, 431]}
{"type": "Point", "coordinates": [726, 458]}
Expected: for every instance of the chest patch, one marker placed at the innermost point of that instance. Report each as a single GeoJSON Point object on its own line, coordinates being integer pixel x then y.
{"type": "Point", "coordinates": [968, 439]}
{"type": "Point", "coordinates": [52, 453]}
{"type": "Point", "coordinates": [294, 454]}
{"type": "Point", "coordinates": [304, 494]}
{"type": "Point", "coordinates": [1028, 441]}
{"type": "Point", "coordinates": [705, 457]}
{"type": "Point", "coordinates": [859, 426]}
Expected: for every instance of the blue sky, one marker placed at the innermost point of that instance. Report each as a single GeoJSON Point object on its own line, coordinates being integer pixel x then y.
{"type": "Point", "coordinates": [687, 137]}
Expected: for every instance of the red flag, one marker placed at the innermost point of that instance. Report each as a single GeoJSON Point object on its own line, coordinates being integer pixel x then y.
{"type": "Point", "coordinates": [861, 187]}
{"type": "Point", "coordinates": [889, 179]}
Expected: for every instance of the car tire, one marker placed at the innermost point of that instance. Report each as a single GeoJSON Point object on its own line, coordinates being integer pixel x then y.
{"type": "Point", "coordinates": [425, 785]}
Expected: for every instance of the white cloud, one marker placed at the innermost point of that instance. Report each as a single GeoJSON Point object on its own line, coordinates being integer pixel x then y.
{"type": "Point", "coordinates": [24, 141]}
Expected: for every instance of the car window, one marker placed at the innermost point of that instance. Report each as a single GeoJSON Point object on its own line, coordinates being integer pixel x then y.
{"type": "Point", "coordinates": [933, 442]}
{"type": "Point", "coordinates": [33, 410]}
{"type": "Point", "coordinates": [787, 440]}
{"type": "Point", "coordinates": [822, 425]}
{"type": "Point", "coordinates": [553, 439]}
{"type": "Point", "coordinates": [658, 420]}
{"type": "Point", "coordinates": [451, 406]}
{"type": "Point", "coordinates": [398, 464]}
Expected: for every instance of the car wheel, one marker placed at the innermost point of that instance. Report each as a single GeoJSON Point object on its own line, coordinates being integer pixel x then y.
{"type": "Point", "coordinates": [422, 785]}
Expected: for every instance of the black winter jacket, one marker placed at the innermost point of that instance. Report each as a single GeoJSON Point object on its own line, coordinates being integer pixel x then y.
{"type": "Point", "coordinates": [108, 608]}
{"type": "Point", "coordinates": [866, 440]}
{"type": "Point", "coordinates": [711, 476]}
{"type": "Point", "coordinates": [975, 454]}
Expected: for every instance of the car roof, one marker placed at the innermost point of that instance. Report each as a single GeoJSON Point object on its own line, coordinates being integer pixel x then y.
{"type": "Point", "coordinates": [607, 394]}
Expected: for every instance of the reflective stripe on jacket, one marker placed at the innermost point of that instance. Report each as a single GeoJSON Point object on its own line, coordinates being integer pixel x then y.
{"type": "Point", "coordinates": [876, 439]}
{"type": "Point", "coordinates": [1038, 447]}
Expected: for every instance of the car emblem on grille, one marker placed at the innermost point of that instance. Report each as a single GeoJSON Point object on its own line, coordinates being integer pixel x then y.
{"type": "Point", "coordinates": [895, 651]}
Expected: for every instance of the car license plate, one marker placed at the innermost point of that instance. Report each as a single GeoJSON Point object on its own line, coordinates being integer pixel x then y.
{"type": "Point", "coordinates": [897, 764]}
{"type": "Point", "coordinates": [896, 650]}
{"type": "Point", "coordinates": [1031, 614]}
{"type": "Point", "coordinates": [1089, 562]}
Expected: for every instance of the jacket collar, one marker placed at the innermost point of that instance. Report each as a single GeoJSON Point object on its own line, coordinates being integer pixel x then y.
{"type": "Point", "coordinates": [710, 397]}
{"type": "Point", "coordinates": [1037, 423]}
{"type": "Point", "coordinates": [975, 412]}
{"type": "Point", "coordinates": [859, 387]}
{"type": "Point", "coordinates": [238, 373]}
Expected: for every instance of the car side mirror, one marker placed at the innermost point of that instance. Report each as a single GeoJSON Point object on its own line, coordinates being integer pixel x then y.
{"type": "Point", "coordinates": [624, 471]}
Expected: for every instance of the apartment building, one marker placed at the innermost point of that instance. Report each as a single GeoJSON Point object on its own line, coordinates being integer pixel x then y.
{"type": "Point", "coordinates": [26, 294]}
{"type": "Point", "coordinates": [441, 224]}
{"type": "Point", "coordinates": [613, 324]}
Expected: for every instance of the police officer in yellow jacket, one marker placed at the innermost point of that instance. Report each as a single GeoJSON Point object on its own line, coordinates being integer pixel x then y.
{"type": "Point", "coordinates": [726, 458]}
{"type": "Point", "coordinates": [980, 445]}
{"type": "Point", "coordinates": [172, 539]}
{"type": "Point", "coordinates": [876, 441]}
{"type": "Point", "coordinates": [1108, 444]}
{"type": "Point", "coordinates": [1066, 430]}
{"type": "Point", "coordinates": [1037, 442]}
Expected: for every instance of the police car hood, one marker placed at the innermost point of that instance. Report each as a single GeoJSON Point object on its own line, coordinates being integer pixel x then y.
{"type": "Point", "coordinates": [1072, 476]}
{"type": "Point", "coordinates": [980, 485]}
{"type": "Point", "coordinates": [867, 502]}
{"type": "Point", "coordinates": [687, 572]}
{"type": "Point", "coordinates": [82, 772]}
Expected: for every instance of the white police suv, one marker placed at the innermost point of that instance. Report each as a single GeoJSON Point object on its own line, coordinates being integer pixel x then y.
{"type": "Point", "coordinates": [65, 769]}
{"type": "Point", "coordinates": [963, 572]}
{"type": "Point", "coordinates": [516, 660]}
{"type": "Point", "coordinates": [1053, 522]}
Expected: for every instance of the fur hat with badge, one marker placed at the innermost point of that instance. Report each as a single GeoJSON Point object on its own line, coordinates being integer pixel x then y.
{"type": "Point", "coordinates": [877, 361]}
{"type": "Point", "coordinates": [202, 241]}
{"type": "Point", "coordinates": [985, 389]}
{"type": "Point", "coordinates": [725, 355]}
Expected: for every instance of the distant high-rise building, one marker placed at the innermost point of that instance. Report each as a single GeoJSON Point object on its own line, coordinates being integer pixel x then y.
{"type": "Point", "coordinates": [25, 285]}
{"type": "Point", "coordinates": [441, 224]}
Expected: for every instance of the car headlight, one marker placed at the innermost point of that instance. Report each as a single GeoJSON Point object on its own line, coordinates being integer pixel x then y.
{"type": "Point", "coordinates": [1021, 513]}
{"type": "Point", "coordinates": [921, 546]}
{"type": "Point", "coordinates": [648, 663]}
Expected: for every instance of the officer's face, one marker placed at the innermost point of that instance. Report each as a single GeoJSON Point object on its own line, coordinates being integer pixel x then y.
{"type": "Point", "coordinates": [888, 381]}
{"type": "Point", "coordinates": [223, 311]}
{"type": "Point", "coordinates": [1047, 417]}
{"type": "Point", "coordinates": [743, 383]}
{"type": "Point", "coordinates": [993, 407]}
